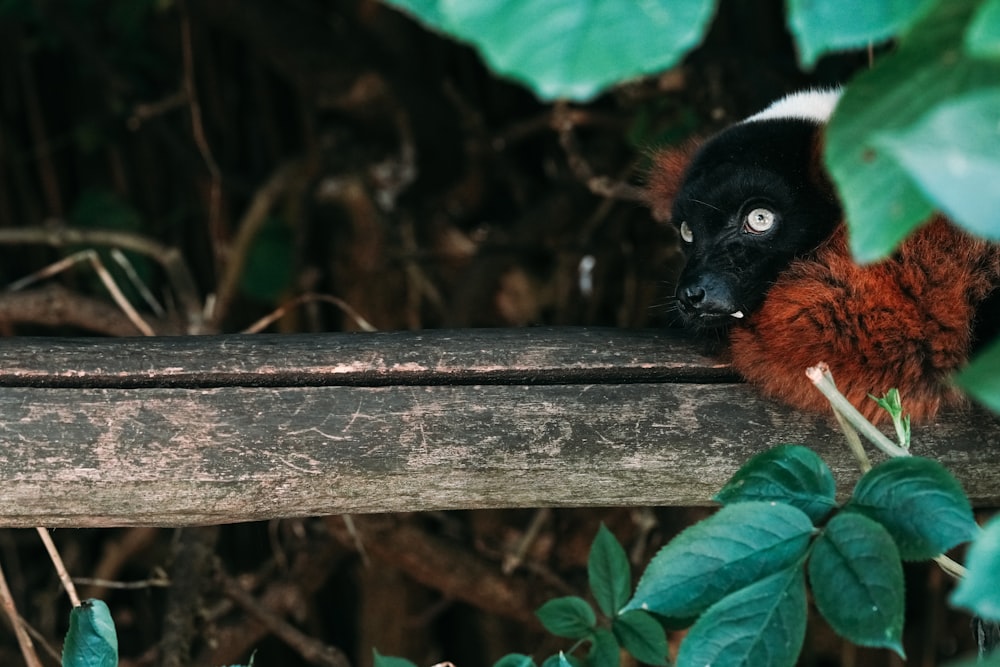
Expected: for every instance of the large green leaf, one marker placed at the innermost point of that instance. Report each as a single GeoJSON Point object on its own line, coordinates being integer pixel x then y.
{"type": "Point", "coordinates": [763, 624]}
{"type": "Point", "coordinates": [91, 640]}
{"type": "Point", "coordinates": [857, 581]}
{"type": "Point", "coordinates": [953, 155]}
{"type": "Point", "coordinates": [821, 27]}
{"type": "Point", "coordinates": [981, 378]}
{"type": "Point", "coordinates": [919, 502]}
{"type": "Point", "coordinates": [881, 201]}
{"type": "Point", "coordinates": [608, 572]}
{"type": "Point", "coordinates": [733, 548]}
{"type": "Point", "coordinates": [790, 474]}
{"type": "Point", "coordinates": [979, 590]}
{"type": "Point", "coordinates": [983, 37]}
{"type": "Point", "coordinates": [571, 48]}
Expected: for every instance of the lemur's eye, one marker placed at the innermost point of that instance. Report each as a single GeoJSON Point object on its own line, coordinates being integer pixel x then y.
{"type": "Point", "coordinates": [758, 221]}
{"type": "Point", "coordinates": [686, 234]}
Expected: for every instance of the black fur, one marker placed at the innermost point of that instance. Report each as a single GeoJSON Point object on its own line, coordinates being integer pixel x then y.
{"type": "Point", "coordinates": [769, 163]}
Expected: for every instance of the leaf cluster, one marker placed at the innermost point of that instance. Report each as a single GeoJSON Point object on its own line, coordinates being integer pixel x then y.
{"type": "Point", "coordinates": [635, 630]}
{"type": "Point", "coordinates": [742, 573]}
{"type": "Point", "coordinates": [739, 578]}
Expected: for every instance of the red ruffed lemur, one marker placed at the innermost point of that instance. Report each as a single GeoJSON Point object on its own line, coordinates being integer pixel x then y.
{"type": "Point", "coordinates": [767, 258]}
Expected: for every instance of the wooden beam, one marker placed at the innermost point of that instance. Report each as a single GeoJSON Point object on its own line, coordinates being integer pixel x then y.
{"type": "Point", "coordinates": [181, 431]}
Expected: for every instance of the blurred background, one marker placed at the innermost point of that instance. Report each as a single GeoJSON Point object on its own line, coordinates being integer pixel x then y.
{"type": "Point", "coordinates": [335, 165]}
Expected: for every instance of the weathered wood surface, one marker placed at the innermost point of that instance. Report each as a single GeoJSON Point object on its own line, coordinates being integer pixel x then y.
{"type": "Point", "coordinates": [180, 431]}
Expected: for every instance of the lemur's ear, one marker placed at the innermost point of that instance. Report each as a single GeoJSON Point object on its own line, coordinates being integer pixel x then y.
{"type": "Point", "coordinates": [666, 173]}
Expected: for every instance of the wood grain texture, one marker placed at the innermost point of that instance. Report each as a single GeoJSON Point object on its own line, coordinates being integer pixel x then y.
{"type": "Point", "coordinates": [170, 432]}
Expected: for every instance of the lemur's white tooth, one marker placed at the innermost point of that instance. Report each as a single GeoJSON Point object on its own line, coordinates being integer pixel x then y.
{"type": "Point", "coordinates": [738, 314]}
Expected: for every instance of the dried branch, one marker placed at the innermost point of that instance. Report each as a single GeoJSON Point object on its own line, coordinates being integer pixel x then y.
{"type": "Point", "coordinates": [311, 649]}
{"type": "Point", "coordinates": [263, 200]}
{"type": "Point", "coordinates": [23, 639]}
{"type": "Point", "coordinates": [312, 566]}
{"type": "Point", "coordinates": [219, 235]}
{"type": "Point", "coordinates": [564, 121]}
{"type": "Point", "coordinates": [57, 234]}
{"type": "Point", "coordinates": [439, 564]}
{"type": "Point", "coordinates": [57, 561]}
{"type": "Point", "coordinates": [106, 279]}
{"type": "Point", "coordinates": [53, 305]}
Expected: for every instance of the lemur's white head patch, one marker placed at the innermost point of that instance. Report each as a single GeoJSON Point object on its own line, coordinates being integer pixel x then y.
{"type": "Point", "coordinates": [814, 105]}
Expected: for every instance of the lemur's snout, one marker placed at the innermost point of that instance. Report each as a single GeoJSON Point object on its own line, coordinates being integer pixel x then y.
{"type": "Point", "coordinates": [705, 295]}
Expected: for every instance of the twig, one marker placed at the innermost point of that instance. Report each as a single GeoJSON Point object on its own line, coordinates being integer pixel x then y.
{"type": "Point", "coordinates": [302, 299]}
{"type": "Point", "coordinates": [122, 260]}
{"type": "Point", "coordinates": [55, 233]}
{"type": "Point", "coordinates": [217, 233]}
{"type": "Point", "coordinates": [249, 226]}
{"type": "Point", "coordinates": [59, 565]}
{"type": "Point", "coordinates": [144, 111]}
{"type": "Point", "coordinates": [102, 273]}
{"type": "Point", "coordinates": [53, 305]}
{"type": "Point", "coordinates": [512, 561]}
{"type": "Point", "coordinates": [359, 544]}
{"type": "Point", "coordinates": [23, 639]}
{"type": "Point", "coordinates": [310, 648]}
{"type": "Point", "coordinates": [564, 122]}
{"type": "Point", "coordinates": [950, 567]}
{"type": "Point", "coordinates": [160, 582]}
{"type": "Point", "coordinates": [853, 441]}
{"type": "Point", "coordinates": [820, 376]}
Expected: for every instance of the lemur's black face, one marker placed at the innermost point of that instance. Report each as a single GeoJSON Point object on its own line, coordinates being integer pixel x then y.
{"type": "Point", "coordinates": [752, 200]}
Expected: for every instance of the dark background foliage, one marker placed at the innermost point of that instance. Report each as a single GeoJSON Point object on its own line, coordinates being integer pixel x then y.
{"type": "Point", "coordinates": [338, 148]}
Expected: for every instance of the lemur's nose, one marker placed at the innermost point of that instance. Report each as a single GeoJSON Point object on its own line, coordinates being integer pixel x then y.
{"type": "Point", "coordinates": [706, 295]}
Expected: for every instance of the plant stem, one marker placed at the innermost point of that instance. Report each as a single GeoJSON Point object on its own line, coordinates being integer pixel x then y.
{"type": "Point", "coordinates": [57, 561]}
{"type": "Point", "coordinates": [950, 567]}
{"type": "Point", "coordinates": [821, 377]}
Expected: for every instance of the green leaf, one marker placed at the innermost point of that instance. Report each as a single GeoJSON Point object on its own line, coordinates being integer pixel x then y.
{"type": "Point", "coordinates": [515, 660]}
{"type": "Point", "coordinates": [981, 378]}
{"type": "Point", "coordinates": [892, 403]}
{"type": "Point", "coordinates": [881, 201]}
{"type": "Point", "coordinates": [561, 660]}
{"type": "Point", "coordinates": [953, 155]}
{"type": "Point", "coordinates": [790, 474]}
{"type": "Point", "coordinates": [389, 661]}
{"type": "Point", "coordinates": [983, 37]}
{"type": "Point", "coordinates": [608, 572]}
{"type": "Point", "coordinates": [857, 582]}
{"type": "Point", "coordinates": [979, 590]}
{"type": "Point", "coordinates": [763, 624]}
{"type": "Point", "coordinates": [428, 12]}
{"type": "Point", "coordinates": [992, 660]}
{"type": "Point", "coordinates": [733, 548]}
{"type": "Point", "coordinates": [91, 640]}
{"type": "Point", "coordinates": [821, 27]}
{"type": "Point", "coordinates": [604, 651]}
{"type": "Point", "coordinates": [270, 262]}
{"type": "Point", "coordinates": [569, 617]}
{"type": "Point", "coordinates": [919, 502]}
{"type": "Point", "coordinates": [571, 48]}
{"type": "Point", "coordinates": [641, 635]}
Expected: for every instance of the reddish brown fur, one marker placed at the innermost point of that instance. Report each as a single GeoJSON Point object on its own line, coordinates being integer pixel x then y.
{"type": "Point", "coordinates": [666, 175]}
{"type": "Point", "coordinates": [904, 323]}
